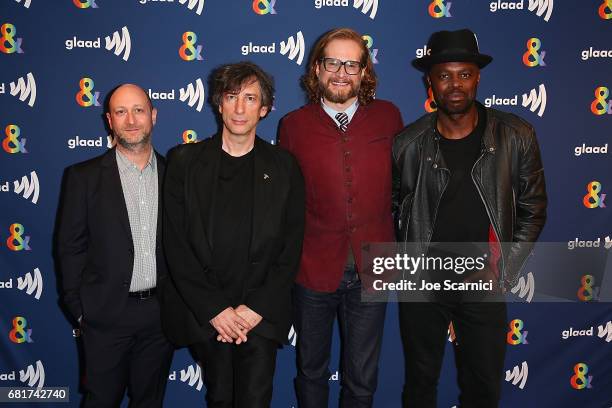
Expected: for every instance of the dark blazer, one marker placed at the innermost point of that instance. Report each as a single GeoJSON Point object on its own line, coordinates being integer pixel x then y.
{"type": "Point", "coordinates": [277, 232]}
{"type": "Point", "coordinates": [95, 251]}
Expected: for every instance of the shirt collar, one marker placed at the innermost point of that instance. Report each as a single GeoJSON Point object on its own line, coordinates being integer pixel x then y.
{"type": "Point", "coordinates": [125, 164]}
{"type": "Point", "coordinates": [350, 111]}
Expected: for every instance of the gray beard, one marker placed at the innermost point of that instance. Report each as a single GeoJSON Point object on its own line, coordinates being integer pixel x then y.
{"type": "Point", "coordinates": [133, 146]}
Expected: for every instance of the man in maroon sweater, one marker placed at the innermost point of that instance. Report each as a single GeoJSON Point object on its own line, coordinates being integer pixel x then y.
{"type": "Point", "coordinates": [342, 140]}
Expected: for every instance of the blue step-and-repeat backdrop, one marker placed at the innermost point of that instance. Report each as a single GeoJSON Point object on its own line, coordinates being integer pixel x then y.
{"type": "Point", "coordinates": [552, 66]}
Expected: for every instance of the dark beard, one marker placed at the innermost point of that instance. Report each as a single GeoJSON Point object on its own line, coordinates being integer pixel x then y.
{"type": "Point", "coordinates": [133, 146]}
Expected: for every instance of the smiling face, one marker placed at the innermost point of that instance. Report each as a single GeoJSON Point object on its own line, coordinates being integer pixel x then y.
{"type": "Point", "coordinates": [131, 116]}
{"type": "Point", "coordinates": [454, 86]}
{"type": "Point", "coordinates": [242, 110]}
{"type": "Point", "coordinates": [340, 89]}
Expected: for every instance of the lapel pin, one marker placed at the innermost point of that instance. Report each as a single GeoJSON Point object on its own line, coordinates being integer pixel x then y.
{"type": "Point", "coordinates": [266, 176]}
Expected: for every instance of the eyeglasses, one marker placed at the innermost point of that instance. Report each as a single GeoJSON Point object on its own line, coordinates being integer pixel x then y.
{"type": "Point", "coordinates": [333, 65]}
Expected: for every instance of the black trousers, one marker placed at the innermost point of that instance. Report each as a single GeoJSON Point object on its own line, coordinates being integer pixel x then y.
{"type": "Point", "coordinates": [238, 376]}
{"type": "Point", "coordinates": [480, 329]}
{"type": "Point", "coordinates": [132, 354]}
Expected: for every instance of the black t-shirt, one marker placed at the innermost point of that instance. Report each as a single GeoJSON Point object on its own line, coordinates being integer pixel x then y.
{"type": "Point", "coordinates": [232, 223]}
{"type": "Point", "coordinates": [462, 216]}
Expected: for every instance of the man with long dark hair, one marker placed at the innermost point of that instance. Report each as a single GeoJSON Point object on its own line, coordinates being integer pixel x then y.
{"type": "Point", "coordinates": [342, 140]}
{"type": "Point", "coordinates": [233, 230]}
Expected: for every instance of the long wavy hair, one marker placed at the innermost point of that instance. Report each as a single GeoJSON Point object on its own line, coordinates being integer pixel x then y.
{"type": "Point", "coordinates": [367, 90]}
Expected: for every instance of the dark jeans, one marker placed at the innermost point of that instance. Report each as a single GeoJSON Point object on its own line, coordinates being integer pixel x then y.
{"type": "Point", "coordinates": [132, 354]}
{"type": "Point", "coordinates": [238, 376]}
{"type": "Point", "coordinates": [480, 330]}
{"type": "Point", "coordinates": [361, 329]}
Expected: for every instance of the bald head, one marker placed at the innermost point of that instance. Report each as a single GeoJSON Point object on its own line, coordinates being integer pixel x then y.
{"type": "Point", "coordinates": [131, 117]}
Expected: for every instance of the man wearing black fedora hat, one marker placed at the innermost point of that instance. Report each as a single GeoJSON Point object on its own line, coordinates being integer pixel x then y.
{"type": "Point", "coordinates": [470, 175]}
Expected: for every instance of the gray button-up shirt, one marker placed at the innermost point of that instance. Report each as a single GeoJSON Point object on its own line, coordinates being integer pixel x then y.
{"type": "Point", "coordinates": [140, 190]}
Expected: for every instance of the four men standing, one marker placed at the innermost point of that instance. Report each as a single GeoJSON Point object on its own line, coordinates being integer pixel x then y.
{"type": "Point", "coordinates": [237, 209]}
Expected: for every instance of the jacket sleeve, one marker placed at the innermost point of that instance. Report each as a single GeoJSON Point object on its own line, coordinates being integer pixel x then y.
{"type": "Point", "coordinates": [269, 299]}
{"type": "Point", "coordinates": [530, 201]}
{"type": "Point", "coordinates": [72, 239]}
{"type": "Point", "coordinates": [188, 273]}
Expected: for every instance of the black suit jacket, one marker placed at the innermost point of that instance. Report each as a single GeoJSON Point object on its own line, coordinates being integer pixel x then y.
{"type": "Point", "coordinates": [276, 242]}
{"type": "Point", "coordinates": [95, 251]}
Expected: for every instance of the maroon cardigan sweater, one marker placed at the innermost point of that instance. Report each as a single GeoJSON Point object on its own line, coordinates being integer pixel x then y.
{"type": "Point", "coordinates": [348, 185]}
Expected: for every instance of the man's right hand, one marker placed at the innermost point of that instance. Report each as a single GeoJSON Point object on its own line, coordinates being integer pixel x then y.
{"type": "Point", "coordinates": [231, 326]}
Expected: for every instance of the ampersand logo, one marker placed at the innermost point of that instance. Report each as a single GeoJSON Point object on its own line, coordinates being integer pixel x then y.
{"type": "Point", "coordinates": [605, 10]}
{"type": "Point", "coordinates": [85, 97]}
{"type": "Point", "coordinates": [369, 41]}
{"type": "Point", "coordinates": [593, 198]}
{"type": "Point", "coordinates": [515, 335]}
{"type": "Point", "coordinates": [601, 106]}
{"type": "Point", "coordinates": [438, 9]}
{"type": "Point", "coordinates": [85, 3]}
{"type": "Point", "coordinates": [8, 43]}
{"type": "Point", "coordinates": [580, 380]}
{"type": "Point", "coordinates": [12, 143]}
{"type": "Point", "coordinates": [16, 241]}
{"type": "Point", "coordinates": [533, 58]}
{"type": "Point", "coordinates": [20, 334]}
{"type": "Point", "coordinates": [190, 136]}
{"type": "Point", "coordinates": [262, 7]}
{"type": "Point", "coordinates": [189, 51]}
{"type": "Point", "coordinates": [585, 292]}
{"type": "Point", "coordinates": [430, 103]}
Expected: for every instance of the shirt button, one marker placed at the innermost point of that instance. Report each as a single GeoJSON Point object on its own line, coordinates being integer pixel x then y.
{"type": "Point", "coordinates": [353, 229]}
{"type": "Point", "coordinates": [347, 153]}
{"type": "Point", "coordinates": [345, 139]}
{"type": "Point", "coordinates": [435, 165]}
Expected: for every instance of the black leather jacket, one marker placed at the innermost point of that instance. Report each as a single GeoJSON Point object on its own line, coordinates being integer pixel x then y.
{"type": "Point", "coordinates": [508, 175]}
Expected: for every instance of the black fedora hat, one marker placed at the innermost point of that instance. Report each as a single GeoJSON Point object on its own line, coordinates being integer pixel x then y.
{"type": "Point", "coordinates": [452, 46]}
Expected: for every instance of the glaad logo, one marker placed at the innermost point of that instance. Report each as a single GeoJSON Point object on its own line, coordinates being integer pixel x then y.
{"type": "Point", "coordinates": [589, 244]}
{"type": "Point", "coordinates": [26, 3]}
{"type": "Point", "coordinates": [295, 48]}
{"type": "Point", "coordinates": [536, 100]}
{"type": "Point", "coordinates": [262, 7]}
{"type": "Point", "coordinates": [538, 6]}
{"type": "Point", "coordinates": [26, 187]}
{"type": "Point", "coordinates": [525, 288]}
{"type": "Point", "coordinates": [8, 43]}
{"type": "Point", "coordinates": [30, 283]}
{"type": "Point", "coordinates": [421, 52]}
{"type": "Point", "coordinates": [16, 241]}
{"type": "Point", "coordinates": [594, 197]}
{"type": "Point", "coordinates": [20, 333]}
{"type": "Point", "coordinates": [437, 9]}
{"type": "Point", "coordinates": [373, 51]}
{"type": "Point", "coordinates": [587, 291]}
{"type": "Point", "coordinates": [85, 97]}
{"type": "Point", "coordinates": [518, 375]}
{"type": "Point", "coordinates": [292, 338]}
{"type": "Point", "coordinates": [80, 142]}
{"type": "Point", "coordinates": [531, 57]}
{"type": "Point", "coordinates": [33, 376]}
{"type": "Point", "coordinates": [190, 136]}
{"type": "Point", "coordinates": [605, 331]}
{"type": "Point", "coordinates": [193, 95]}
{"type": "Point", "coordinates": [601, 105]}
{"type": "Point", "coordinates": [189, 51]}
{"type": "Point", "coordinates": [23, 89]}
{"type": "Point", "coordinates": [579, 380]}
{"type": "Point", "coordinates": [85, 3]}
{"type": "Point", "coordinates": [605, 10]}
{"type": "Point", "coordinates": [191, 4]}
{"type": "Point", "coordinates": [118, 43]}
{"type": "Point", "coordinates": [365, 6]}
{"type": "Point", "coordinates": [591, 53]}
{"type": "Point", "coordinates": [516, 335]}
{"type": "Point", "coordinates": [12, 144]}
{"type": "Point", "coordinates": [584, 149]}
{"type": "Point", "coordinates": [193, 377]}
